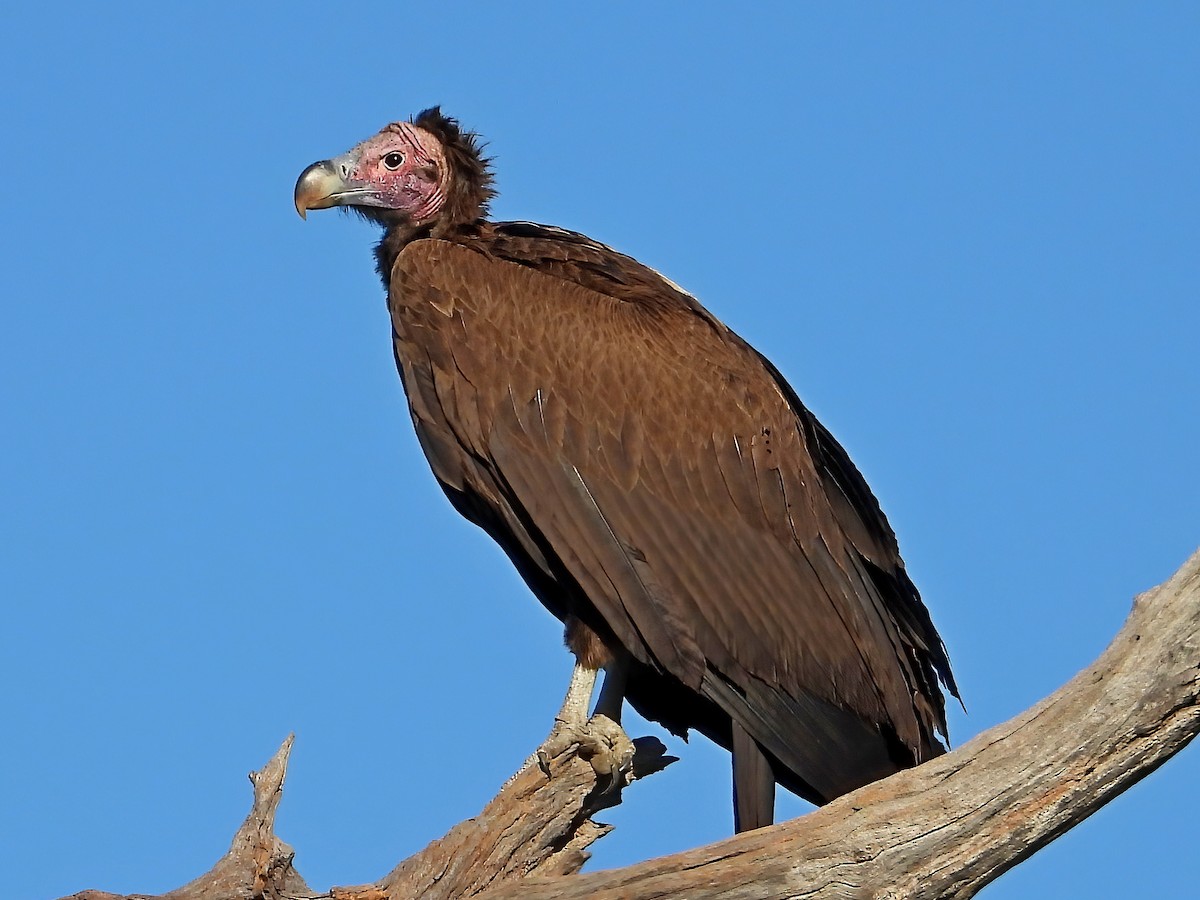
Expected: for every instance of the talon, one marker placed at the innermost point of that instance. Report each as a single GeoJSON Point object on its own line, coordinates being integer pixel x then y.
{"type": "Point", "coordinates": [601, 741]}
{"type": "Point", "coordinates": [610, 751]}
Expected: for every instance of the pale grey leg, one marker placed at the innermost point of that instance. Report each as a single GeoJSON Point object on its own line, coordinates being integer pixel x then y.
{"type": "Point", "coordinates": [579, 696]}
{"type": "Point", "coordinates": [600, 739]}
{"type": "Point", "coordinates": [572, 717]}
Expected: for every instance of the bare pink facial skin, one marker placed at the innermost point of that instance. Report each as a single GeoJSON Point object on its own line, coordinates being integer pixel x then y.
{"type": "Point", "coordinates": [403, 167]}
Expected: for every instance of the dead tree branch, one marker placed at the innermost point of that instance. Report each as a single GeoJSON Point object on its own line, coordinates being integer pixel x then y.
{"type": "Point", "coordinates": [942, 830]}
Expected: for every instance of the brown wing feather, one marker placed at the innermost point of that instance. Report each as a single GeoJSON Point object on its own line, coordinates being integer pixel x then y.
{"type": "Point", "coordinates": [658, 471]}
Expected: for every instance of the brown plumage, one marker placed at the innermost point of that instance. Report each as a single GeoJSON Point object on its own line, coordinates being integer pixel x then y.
{"type": "Point", "coordinates": [654, 479]}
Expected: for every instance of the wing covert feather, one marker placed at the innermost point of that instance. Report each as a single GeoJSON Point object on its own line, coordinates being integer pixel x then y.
{"type": "Point", "coordinates": [657, 456]}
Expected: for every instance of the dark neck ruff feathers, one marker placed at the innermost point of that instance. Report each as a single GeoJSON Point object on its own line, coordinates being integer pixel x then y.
{"type": "Point", "coordinates": [467, 196]}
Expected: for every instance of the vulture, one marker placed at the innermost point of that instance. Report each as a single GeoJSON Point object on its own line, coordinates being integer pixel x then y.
{"type": "Point", "coordinates": [654, 479]}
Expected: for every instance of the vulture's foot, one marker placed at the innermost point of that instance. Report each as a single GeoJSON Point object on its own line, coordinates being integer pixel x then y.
{"type": "Point", "coordinates": [602, 742]}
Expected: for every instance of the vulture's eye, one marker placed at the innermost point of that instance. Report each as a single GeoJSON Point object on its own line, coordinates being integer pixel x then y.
{"type": "Point", "coordinates": [394, 160]}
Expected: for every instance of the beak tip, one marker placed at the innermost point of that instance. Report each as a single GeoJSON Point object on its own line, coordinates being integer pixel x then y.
{"type": "Point", "coordinates": [318, 187]}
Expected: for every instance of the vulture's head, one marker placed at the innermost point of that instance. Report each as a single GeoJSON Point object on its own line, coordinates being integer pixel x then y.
{"type": "Point", "coordinates": [423, 173]}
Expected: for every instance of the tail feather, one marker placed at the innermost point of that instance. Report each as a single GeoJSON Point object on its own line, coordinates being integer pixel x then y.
{"type": "Point", "coordinates": [753, 783]}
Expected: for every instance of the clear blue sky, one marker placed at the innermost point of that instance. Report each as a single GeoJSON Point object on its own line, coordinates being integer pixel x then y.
{"type": "Point", "coordinates": [966, 233]}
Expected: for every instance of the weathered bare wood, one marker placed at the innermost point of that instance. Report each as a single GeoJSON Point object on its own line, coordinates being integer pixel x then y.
{"type": "Point", "coordinates": [951, 826]}
{"type": "Point", "coordinates": [539, 823]}
{"type": "Point", "coordinates": [516, 835]}
{"type": "Point", "coordinates": [943, 830]}
{"type": "Point", "coordinates": [257, 864]}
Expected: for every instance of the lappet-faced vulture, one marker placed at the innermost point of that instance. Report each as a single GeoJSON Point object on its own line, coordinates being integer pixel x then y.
{"type": "Point", "coordinates": [657, 483]}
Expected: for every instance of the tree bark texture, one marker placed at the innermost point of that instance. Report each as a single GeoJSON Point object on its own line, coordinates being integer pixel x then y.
{"type": "Point", "coordinates": [942, 830]}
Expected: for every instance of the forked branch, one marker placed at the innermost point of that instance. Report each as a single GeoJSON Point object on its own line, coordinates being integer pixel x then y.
{"type": "Point", "coordinates": [942, 830]}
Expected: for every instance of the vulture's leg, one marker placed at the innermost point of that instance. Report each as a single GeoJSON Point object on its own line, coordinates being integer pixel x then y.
{"type": "Point", "coordinates": [601, 739]}
{"type": "Point", "coordinates": [579, 695]}
{"type": "Point", "coordinates": [571, 718]}
{"type": "Point", "coordinates": [606, 719]}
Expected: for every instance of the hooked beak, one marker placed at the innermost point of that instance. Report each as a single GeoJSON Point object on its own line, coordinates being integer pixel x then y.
{"type": "Point", "coordinates": [323, 185]}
